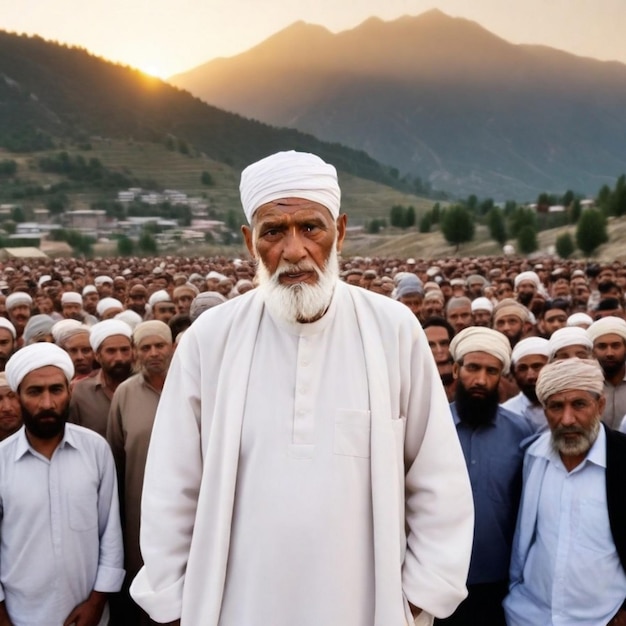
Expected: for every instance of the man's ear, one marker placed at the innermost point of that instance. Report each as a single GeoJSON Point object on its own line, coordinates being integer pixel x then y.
{"type": "Point", "coordinates": [341, 223]}
{"type": "Point", "coordinates": [455, 370]}
{"type": "Point", "coordinates": [246, 231]}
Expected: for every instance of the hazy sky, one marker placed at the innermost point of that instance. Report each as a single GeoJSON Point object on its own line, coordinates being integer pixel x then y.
{"type": "Point", "coordinates": [169, 36]}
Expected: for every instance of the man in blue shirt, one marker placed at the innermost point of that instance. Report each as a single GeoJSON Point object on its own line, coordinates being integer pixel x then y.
{"type": "Point", "coordinates": [490, 437]}
{"type": "Point", "coordinates": [569, 551]}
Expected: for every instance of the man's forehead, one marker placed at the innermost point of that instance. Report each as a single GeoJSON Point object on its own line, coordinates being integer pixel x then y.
{"type": "Point", "coordinates": [282, 206]}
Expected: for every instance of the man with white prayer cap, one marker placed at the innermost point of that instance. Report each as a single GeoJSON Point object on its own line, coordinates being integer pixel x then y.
{"type": "Point", "coordinates": [73, 337]}
{"type": "Point", "coordinates": [527, 285]}
{"type": "Point", "coordinates": [569, 553]}
{"type": "Point", "coordinates": [37, 329]}
{"type": "Point", "coordinates": [527, 359]}
{"type": "Point", "coordinates": [129, 427]}
{"type": "Point", "coordinates": [482, 310]}
{"type": "Point", "coordinates": [579, 319]}
{"type": "Point", "coordinates": [8, 337]}
{"type": "Point", "coordinates": [258, 400]}
{"type": "Point", "coordinates": [569, 342]}
{"type": "Point", "coordinates": [104, 285]}
{"type": "Point", "coordinates": [608, 335]}
{"type": "Point", "coordinates": [72, 306]}
{"type": "Point", "coordinates": [91, 398]}
{"type": "Point", "coordinates": [108, 308]}
{"type": "Point", "coordinates": [10, 410]}
{"type": "Point", "coordinates": [18, 306]}
{"type": "Point", "coordinates": [161, 306]}
{"type": "Point", "coordinates": [90, 300]}
{"type": "Point", "coordinates": [512, 319]}
{"type": "Point", "coordinates": [490, 437]}
{"type": "Point", "coordinates": [61, 552]}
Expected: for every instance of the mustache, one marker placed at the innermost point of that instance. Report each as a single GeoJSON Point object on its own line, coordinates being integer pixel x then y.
{"type": "Point", "coordinates": [290, 268]}
{"type": "Point", "coordinates": [568, 430]}
{"type": "Point", "coordinates": [47, 413]}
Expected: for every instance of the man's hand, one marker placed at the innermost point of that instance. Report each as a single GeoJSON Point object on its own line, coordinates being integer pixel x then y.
{"type": "Point", "coordinates": [89, 612]}
{"type": "Point", "coordinates": [619, 619]}
{"type": "Point", "coordinates": [4, 616]}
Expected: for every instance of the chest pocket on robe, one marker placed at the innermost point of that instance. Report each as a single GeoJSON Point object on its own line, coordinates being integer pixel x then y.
{"type": "Point", "coordinates": [352, 433]}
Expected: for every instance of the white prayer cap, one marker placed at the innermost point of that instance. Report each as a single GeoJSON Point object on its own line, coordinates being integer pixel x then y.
{"type": "Point", "coordinates": [568, 336]}
{"type": "Point", "coordinates": [87, 289]}
{"type": "Point", "coordinates": [482, 304]}
{"type": "Point", "coordinates": [4, 323]}
{"type": "Point", "coordinates": [130, 317]}
{"type": "Point", "coordinates": [579, 319]}
{"type": "Point", "coordinates": [528, 346]}
{"type": "Point", "coordinates": [107, 328]}
{"type": "Point", "coordinates": [37, 326]}
{"type": "Point", "coordinates": [108, 303]}
{"type": "Point", "coordinates": [510, 306]}
{"type": "Point", "coordinates": [34, 357]}
{"type": "Point", "coordinates": [159, 296]}
{"type": "Point", "coordinates": [609, 325]}
{"type": "Point", "coordinates": [152, 327]}
{"type": "Point", "coordinates": [18, 298]}
{"type": "Point", "coordinates": [569, 374]}
{"type": "Point", "coordinates": [213, 274]}
{"type": "Point", "coordinates": [46, 278]}
{"type": "Point", "coordinates": [525, 276]}
{"type": "Point", "coordinates": [71, 297]}
{"type": "Point", "coordinates": [99, 280]}
{"type": "Point", "coordinates": [64, 329]}
{"type": "Point", "coordinates": [289, 175]}
{"type": "Point", "coordinates": [481, 339]}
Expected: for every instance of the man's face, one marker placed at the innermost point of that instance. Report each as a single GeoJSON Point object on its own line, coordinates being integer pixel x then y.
{"type": "Point", "coordinates": [525, 292]}
{"type": "Point", "coordinates": [475, 289]}
{"type": "Point", "coordinates": [560, 288]}
{"type": "Point", "coordinates": [439, 343]}
{"type": "Point", "coordinates": [225, 286]}
{"type": "Point", "coordinates": [137, 299]}
{"type": "Point", "coordinates": [6, 347]}
{"type": "Point", "coordinates": [353, 279]}
{"type": "Point", "coordinates": [526, 372]}
{"type": "Point", "coordinates": [10, 412]}
{"type": "Point", "coordinates": [153, 355]}
{"type": "Point", "coordinates": [72, 310]}
{"type": "Point", "coordinates": [45, 399]}
{"type": "Point", "coordinates": [164, 311]}
{"type": "Point", "coordinates": [479, 374]}
{"type": "Point", "coordinates": [571, 352]}
{"type": "Point", "coordinates": [90, 302]}
{"type": "Point", "coordinates": [19, 315]}
{"type": "Point", "coordinates": [574, 419]}
{"type": "Point", "coordinates": [553, 320]}
{"type": "Point", "coordinates": [115, 356]}
{"type": "Point", "coordinates": [119, 290]}
{"type": "Point", "coordinates": [610, 350]}
{"type": "Point", "coordinates": [511, 327]}
{"type": "Point", "coordinates": [432, 307]}
{"type": "Point", "coordinates": [503, 291]}
{"type": "Point", "coordinates": [482, 317]}
{"type": "Point", "coordinates": [183, 302]}
{"type": "Point", "coordinates": [79, 349]}
{"type": "Point", "coordinates": [460, 317]}
{"type": "Point", "coordinates": [105, 290]}
{"type": "Point", "coordinates": [414, 302]}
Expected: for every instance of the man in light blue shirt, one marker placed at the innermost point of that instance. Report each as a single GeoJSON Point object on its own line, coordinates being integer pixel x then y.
{"type": "Point", "coordinates": [61, 544]}
{"type": "Point", "coordinates": [569, 550]}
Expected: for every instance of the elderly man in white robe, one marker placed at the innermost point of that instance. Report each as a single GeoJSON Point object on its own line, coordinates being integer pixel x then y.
{"type": "Point", "coordinates": [303, 466]}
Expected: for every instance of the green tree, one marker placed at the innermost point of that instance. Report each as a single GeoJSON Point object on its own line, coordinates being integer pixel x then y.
{"type": "Point", "coordinates": [521, 217]}
{"type": "Point", "coordinates": [125, 246]}
{"type": "Point", "coordinates": [17, 214]}
{"type": "Point", "coordinates": [497, 227]}
{"type": "Point", "coordinates": [527, 240]}
{"type": "Point", "coordinates": [591, 231]}
{"type": "Point", "coordinates": [565, 245]}
{"type": "Point", "coordinates": [435, 213]}
{"type": "Point", "coordinates": [409, 217]}
{"type": "Point", "coordinates": [207, 179]}
{"type": "Point", "coordinates": [374, 226]}
{"type": "Point", "coordinates": [457, 225]}
{"type": "Point", "coordinates": [396, 216]}
{"type": "Point", "coordinates": [425, 223]}
{"type": "Point", "coordinates": [147, 243]}
{"type": "Point", "coordinates": [574, 212]}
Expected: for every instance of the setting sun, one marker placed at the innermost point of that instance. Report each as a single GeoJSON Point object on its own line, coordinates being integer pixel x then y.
{"type": "Point", "coordinates": [152, 70]}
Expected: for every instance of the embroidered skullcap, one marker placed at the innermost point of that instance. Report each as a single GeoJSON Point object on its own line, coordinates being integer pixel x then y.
{"type": "Point", "coordinates": [104, 330]}
{"type": "Point", "coordinates": [609, 325]}
{"type": "Point", "coordinates": [18, 298]}
{"type": "Point", "coordinates": [108, 303]}
{"type": "Point", "coordinates": [528, 346]}
{"type": "Point", "coordinates": [100, 280]}
{"type": "Point", "coordinates": [34, 357]}
{"type": "Point", "coordinates": [569, 374]}
{"type": "Point", "coordinates": [524, 276]}
{"type": "Point", "coordinates": [579, 319]}
{"type": "Point", "coordinates": [481, 339]}
{"type": "Point", "coordinates": [482, 304]}
{"type": "Point", "coordinates": [569, 336]}
{"type": "Point", "coordinates": [64, 329]}
{"type": "Point", "coordinates": [71, 297]}
{"type": "Point", "coordinates": [159, 296]}
{"type": "Point", "coordinates": [4, 323]}
{"type": "Point", "coordinates": [152, 327]}
{"type": "Point", "coordinates": [409, 285]}
{"type": "Point", "coordinates": [509, 306]}
{"type": "Point", "coordinates": [130, 317]}
{"type": "Point", "coordinates": [37, 326]}
{"type": "Point", "coordinates": [289, 175]}
{"type": "Point", "coordinates": [203, 302]}
{"type": "Point", "coordinates": [87, 289]}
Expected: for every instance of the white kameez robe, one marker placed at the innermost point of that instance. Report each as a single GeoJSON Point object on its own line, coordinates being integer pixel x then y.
{"type": "Point", "coordinates": [275, 485]}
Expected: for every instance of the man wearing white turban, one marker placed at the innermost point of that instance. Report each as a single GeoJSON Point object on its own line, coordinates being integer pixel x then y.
{"type": "Point", "coordinates": [490, 437]}
{"type": "Point", "coordinates": [608, 335]}
{"type": "Point", "coordinates": [61, 552]}
{"type": "Point", "coordinates": [569, 553]}
{"type": "Point", "coordinates": [295, 472]}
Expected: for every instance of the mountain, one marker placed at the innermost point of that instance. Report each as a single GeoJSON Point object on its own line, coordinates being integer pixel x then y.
{"type": "Point", "coordinates": [437, 97]}
{"type": "Point", "coordinates": [52, 94]}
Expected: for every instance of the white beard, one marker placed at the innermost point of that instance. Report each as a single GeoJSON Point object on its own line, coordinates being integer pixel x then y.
{"type": "Point", "coordinates": [300, 302]}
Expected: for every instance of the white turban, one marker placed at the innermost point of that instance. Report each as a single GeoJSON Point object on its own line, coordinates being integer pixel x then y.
{"type": "Point", "coordinates": [159, 296]}
{"type": "Point", "coordinates": [579, 319]}
{"type": "Point", "coordinates": [71, 297]}
{"type": "Point", "coordinates": [480, 339]}
{"type": "Point", "coordinates": [289, 175]}
{"type": "Point", "coordinates": [569, 336]}
{"type": "Point", "coordinates": [100, 280]}
{"type": "Point", "coordinates": [482, 304]}
{"type": "Point", "coordinates": [509, 306]}
{"type": "Point", "coordinates": [152, 327]}
{"type": "Point", "coordinates": [64, 329]}
{"type": "Point", "coordinates": [524, 276]}
{"type": "Point", "coordinates": [37, 326]}
{"type": "Point", "coordinates": [89, 289]}
{"type": "Point", "coordinates": [4, 323]}
{"type": "Point", "coordinates": [108, 303]}
{"type": "Point", "coordinates": [18, 298]}
{"type": "Point", "coordinates": [528, 346]}
{"type": "Point", "coordinates": [104, 330]}
{"type": "Point", "coordinates": [569, 374]}
{"type": "Point", "coordinates": [609, 325]}
{"type": "Point", "coordinates": [130, 317]}
{"type": "Point", "coordinates": [46, 278]}
{"type": "Point", "coordinates": [34, 357]}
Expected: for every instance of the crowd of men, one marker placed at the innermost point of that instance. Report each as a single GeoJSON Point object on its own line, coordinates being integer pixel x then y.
{"type": "Point", "coordinates": [531, 356]}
